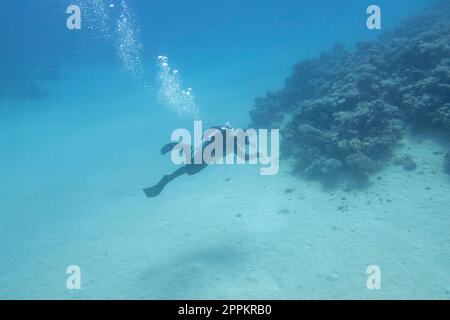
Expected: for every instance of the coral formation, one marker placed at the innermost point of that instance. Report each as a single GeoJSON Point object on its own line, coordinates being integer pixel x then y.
{"type": "Point", "coordinates": [406, 161]}
{"type": "Point", "coordinates": [344, 112]}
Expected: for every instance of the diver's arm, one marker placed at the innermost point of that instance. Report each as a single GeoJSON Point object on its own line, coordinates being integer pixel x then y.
{"type": "Point", "coordinates": [168, 147]}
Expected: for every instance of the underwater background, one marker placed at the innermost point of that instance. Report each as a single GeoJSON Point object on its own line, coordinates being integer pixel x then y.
{"type": "Point", "coordinates": [84, 113]}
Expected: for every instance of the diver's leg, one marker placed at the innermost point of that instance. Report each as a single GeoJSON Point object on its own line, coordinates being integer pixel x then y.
{"type": "Point", "coordinates": [195, 168]}
{"type": "Point", "coordinates": [156, 189]}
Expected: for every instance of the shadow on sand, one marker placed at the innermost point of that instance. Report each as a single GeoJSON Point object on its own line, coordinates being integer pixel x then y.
{"type": "Point", "coordinates": [192, 274]}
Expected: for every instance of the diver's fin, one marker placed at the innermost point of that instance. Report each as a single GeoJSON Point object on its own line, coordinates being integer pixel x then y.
{"type": "Point", "coordinates": [168, 147]}
{"type": "Point", "coordinates": [153, 191]}
{"type": "Point", "coordinates": [157, 188]}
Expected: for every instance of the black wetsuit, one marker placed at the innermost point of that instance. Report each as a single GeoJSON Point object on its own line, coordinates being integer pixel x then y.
{"type": "Point", "coordinates": [189, 169]}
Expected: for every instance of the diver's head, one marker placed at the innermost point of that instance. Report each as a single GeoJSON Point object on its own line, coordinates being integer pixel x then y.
{"type": "Point", "coordinates": [228, 125]}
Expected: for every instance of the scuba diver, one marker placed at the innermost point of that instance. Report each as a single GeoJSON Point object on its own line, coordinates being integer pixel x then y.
{"type": "Point", "coordinates": [190, 168]}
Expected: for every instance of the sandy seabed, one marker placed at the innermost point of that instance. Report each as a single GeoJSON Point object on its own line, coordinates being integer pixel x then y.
{"type": "Point", "coordinates": [71, 195]}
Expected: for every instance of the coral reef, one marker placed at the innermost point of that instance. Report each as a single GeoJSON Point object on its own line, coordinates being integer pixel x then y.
{"type": "Point", "coordinates": [406, 161]}
{"type": "Point", "coordinates": [344, 112]}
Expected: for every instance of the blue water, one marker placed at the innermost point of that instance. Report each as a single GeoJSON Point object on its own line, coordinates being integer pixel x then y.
{"type": "Point", "coordinates": [80, 137]}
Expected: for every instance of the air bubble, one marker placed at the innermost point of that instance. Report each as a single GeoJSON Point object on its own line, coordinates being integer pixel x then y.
{"type": "Point", "coordinates": [122, 30]}
{"type": "Point", "coordinates": [172, 94]}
